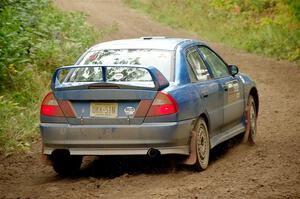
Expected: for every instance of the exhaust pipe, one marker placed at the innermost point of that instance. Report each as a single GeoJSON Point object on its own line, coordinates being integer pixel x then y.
{"type": "Point", "coordinates": [152, 153]}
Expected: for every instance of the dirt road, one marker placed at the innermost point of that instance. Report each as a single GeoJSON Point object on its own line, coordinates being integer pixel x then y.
{"type": "Point", "coordinates": [271, 169]}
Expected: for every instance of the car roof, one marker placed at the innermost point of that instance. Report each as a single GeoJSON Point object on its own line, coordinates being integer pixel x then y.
{"type": "Point", "coordinates": [162, 43]}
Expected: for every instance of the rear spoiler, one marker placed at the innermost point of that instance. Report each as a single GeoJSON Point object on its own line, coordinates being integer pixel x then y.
{"type": "Point", "coordinates": [158, 78]}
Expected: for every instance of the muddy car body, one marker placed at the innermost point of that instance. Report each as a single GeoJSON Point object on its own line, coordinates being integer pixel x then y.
{"type": "Point", "coordinates": [150, 95]}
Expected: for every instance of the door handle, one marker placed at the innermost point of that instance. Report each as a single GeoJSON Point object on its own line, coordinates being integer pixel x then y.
{"type": "Point", "coordinates": [225, 87]}
{"type": "Point", "coordinates": [204, 94]}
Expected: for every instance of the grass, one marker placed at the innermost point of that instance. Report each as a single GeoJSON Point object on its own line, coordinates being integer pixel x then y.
{"type": "Point", "coordinates": [269, 27]}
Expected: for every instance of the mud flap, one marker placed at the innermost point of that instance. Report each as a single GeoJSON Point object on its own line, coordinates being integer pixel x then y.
{"type": "Point", "coordinates": [247, 119]}
{"type": "Point", "coordinates": [192, 158]}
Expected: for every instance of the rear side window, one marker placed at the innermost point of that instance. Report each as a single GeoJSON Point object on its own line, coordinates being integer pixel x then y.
{"type": "Point", "coordinates": [197, 65]}
{"type": "Point", "coordinates": [218, 67]}
{"type": "Point", "coordinates": [161, 59]}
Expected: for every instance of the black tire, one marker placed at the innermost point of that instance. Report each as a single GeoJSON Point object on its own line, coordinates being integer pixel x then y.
{"type": "Point", "coordinates": [202, 145]}
{"type": "Point", "coordinates": [65, 164]}
{"type": "Point", "coordinates": [251, 122]}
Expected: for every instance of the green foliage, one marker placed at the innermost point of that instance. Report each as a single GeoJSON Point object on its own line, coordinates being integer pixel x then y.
{"type": "Point", "coordinates": [294, 5]}
{"type": "Point", "coordinates": [35, 38]}
{"type": "Point", "coordinates": [270, 27]}
{"type": "Point", "coordinates": [35, 33]}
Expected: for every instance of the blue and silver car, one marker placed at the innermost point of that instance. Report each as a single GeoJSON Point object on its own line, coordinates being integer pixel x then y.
{"type": "Point", "coordinates": [147, 96]}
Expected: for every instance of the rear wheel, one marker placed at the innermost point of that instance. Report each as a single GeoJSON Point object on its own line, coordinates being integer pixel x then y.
{"type": "Point", "coordinates": [202, 145]}
{"type": "Point", "coordinates": [251, 127]}
{"type": "Point", "coordinates": [65, 164]}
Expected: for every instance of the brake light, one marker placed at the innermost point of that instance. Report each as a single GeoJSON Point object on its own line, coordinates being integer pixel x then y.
{"type": "Point", "coordinates": [163, 104]}
{"type": "Point", "coordinates": [53, 108]}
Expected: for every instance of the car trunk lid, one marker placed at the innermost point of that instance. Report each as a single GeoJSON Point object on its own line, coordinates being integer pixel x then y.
{"type": "Point", "coordinates": [107, 95]}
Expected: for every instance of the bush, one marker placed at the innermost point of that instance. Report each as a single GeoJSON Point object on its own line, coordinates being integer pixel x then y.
{"type": "Point", "coordinates": [35, 38]}
{"type": "Point", "coordinates": [34, 33]}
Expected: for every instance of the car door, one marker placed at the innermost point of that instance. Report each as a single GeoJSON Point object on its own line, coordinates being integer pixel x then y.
{"type": "Point", "coordinates": [207, 88]}
{"type": "Point", "coordinates": [230, 87]}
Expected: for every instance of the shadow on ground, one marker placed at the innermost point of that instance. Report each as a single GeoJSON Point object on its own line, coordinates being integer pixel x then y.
{"type": "Point", "coordinates": [115, 166]}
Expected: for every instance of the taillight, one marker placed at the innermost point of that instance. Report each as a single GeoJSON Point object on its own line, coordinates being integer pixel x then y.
{"type": "Point", "coordinates": [53, 108]}
{"type": "Point", "coordinates": [163, 104]}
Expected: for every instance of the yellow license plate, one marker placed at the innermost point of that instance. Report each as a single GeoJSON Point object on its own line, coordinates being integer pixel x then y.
{"type": "Point", "coordinates": [108, 110]}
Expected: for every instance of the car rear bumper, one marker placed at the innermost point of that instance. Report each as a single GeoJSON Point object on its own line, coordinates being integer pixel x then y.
{"type": "Point", "coordinates": [167, 137]}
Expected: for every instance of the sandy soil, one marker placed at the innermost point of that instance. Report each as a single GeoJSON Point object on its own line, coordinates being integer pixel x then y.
{"type": "Point", "coordinates": [270, 169]}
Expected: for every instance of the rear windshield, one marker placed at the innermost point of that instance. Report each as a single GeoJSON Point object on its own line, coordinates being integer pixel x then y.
{"type": "Point", "coordinates": [161, 59]}
{"type": "Point", "coordinates": [93, 74]}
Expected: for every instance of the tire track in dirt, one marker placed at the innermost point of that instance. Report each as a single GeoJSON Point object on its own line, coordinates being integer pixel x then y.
{"type": "Point", "coordinates": [271, 169]}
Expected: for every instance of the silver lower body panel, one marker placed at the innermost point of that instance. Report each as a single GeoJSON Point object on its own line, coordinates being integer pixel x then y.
{"type": "Point", "coordinates": [167, 137]}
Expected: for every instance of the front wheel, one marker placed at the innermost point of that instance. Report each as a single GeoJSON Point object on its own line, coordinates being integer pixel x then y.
{"type": "Point", "coordinates": [202, 145]}
{"type": "Point", "coordinates": [251, 126]}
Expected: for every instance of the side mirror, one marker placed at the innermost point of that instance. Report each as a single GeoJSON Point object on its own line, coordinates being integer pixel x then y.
{"type": "Point", "coordinates": [233, 70]}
